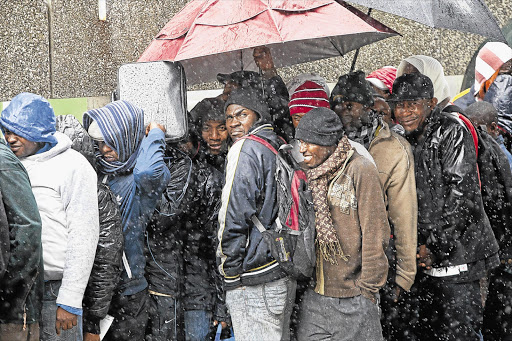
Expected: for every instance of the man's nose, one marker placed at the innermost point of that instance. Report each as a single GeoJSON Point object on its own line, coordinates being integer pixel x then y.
{"type": "Point", "coordinates": [10, 138]}
{"type": "Point", "coordinates": [214, 135]}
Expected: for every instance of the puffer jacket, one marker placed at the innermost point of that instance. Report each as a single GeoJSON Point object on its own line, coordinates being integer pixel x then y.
{"type": "Point", "coordinates": [106, 269]}
{"type": "Point", "coordinates": [250, 189]}
{"type": "Point", "coordinates": [451, 217]}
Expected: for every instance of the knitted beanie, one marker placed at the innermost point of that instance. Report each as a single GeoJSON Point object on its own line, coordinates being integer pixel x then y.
{"type": "Point", "coordinates": [320, 126]}
{"type": "Point", "coordinates": [250, 99]}
{"type": "Point", "coordinates": [352, 87]}
{"type": "Point", "coordinates": [306, 97]}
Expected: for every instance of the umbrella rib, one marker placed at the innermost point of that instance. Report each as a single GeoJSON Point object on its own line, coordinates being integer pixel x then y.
{"type": "Point", "coordinates": [275, 24]}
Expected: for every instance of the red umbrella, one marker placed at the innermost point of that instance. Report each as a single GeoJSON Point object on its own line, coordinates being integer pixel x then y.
{"type": "Point", "coordinates": [212, 36]}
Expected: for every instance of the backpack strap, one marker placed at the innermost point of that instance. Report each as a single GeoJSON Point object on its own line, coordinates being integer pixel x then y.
{"type": "Point", "coordinates": [262, 141]}
{"type": "Point", "coordinates": [472, 130]}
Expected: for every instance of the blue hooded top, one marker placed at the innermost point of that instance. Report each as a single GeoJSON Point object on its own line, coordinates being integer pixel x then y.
{"type": "Point", "coordinates": [30, 116]}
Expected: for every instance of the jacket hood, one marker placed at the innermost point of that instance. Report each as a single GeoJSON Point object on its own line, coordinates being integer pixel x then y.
{"type": "Point", "coordinates": [31, 117]}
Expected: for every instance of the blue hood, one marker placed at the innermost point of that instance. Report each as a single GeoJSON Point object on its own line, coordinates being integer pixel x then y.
{"type": "Point", "coordinates": [31, 117]}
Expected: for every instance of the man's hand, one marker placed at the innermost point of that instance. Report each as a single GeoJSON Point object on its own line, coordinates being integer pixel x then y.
{"type": "Point", "coordinates": [154, 125]}
{"type": "Point", "coordinates": [91, 337]}
{"type": "Point", "coordinates": [64, 320]}
{"type": "Point", "coordinates": [222, 323]}
{"type": "Point", "coordinates": [263, 60]}
{"type": "Point", "coordinates": [424, 257]}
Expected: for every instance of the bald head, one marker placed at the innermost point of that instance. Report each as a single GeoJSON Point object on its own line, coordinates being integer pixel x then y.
{"type": "Point", "coordinates": [484, 113]}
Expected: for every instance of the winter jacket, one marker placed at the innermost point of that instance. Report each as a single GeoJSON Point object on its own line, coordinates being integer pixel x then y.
{"type": "Point", "coordinates": [21, 288]}
{"type": "Point", "coordinates": [107, 262]}
{"type": "Point", "coordinates": [496, 184]}
{"type": "Point", "coordinates": [358, 211]}
{"type": "Point", "coordinates": [250, 189]}
{"type": "Point", "coordinates": [64, 185]}
{"type": "Point", "coordinates": [138, 194]}
{"type": "Point", "coordinates": [451, 220]}
{"type": "Point", "coordinates": [5, 242]}
{"type": "Point", "coordinates": [395, 164]}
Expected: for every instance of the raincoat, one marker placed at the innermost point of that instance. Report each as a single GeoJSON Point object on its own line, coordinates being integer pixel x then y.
{"type": "Point", "coordinates": [21, 288]}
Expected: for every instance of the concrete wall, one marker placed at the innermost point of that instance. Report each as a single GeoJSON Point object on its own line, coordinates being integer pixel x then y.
{"type": "Point", "coordinates": [60, 49]}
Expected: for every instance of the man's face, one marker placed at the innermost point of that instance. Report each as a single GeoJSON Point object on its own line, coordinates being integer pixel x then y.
{"type": "Point", "coordinates": [412, 114]}
{"type": "Point", "coordinates": [382, 108]}
{"type": "Point", "coordinates": [353, 115]}
{"type": "Point", "coordinates": [296, 119]}
{"type": "Point", "coordinates": [314, 154]}
{"type": "Point", "coordinates": [239, 120]}
{"type": "Point", "coordinates": [20, 146]}
{"type": "Point", "coordinates": [215, 135]}
{"type": "Point", "coordinates": [108, 153]}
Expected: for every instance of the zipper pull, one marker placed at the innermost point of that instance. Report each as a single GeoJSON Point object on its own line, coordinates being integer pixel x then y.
{"type": "Point", "coordinates": [24, 317]}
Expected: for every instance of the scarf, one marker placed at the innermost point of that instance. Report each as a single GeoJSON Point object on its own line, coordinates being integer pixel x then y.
{"type": "Point", "coordinates": [327, 241]}
{"type": "Point", "coordinates": [366, 134]}
{"type": "Point", "coordinates": [122, 126]}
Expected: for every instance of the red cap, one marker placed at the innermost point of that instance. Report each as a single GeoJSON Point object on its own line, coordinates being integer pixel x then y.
{"type": "Point", "coordinates": [308, 96]}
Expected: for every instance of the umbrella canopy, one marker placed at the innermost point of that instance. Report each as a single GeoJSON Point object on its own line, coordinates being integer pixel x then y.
{"type": "Point", "coordinates": [471, 16]}
{"type": "Point", "coordinates": [212, 36]}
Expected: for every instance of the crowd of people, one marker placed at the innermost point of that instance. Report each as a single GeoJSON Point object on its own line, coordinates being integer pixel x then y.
{"type": "Point", "coordinates": [109, 231]}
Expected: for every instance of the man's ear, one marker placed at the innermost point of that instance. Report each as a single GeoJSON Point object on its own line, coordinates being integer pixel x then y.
{"type": "Point", "coordinates": [432, 103]}
{"type": "Point", "coordinates": [493, 129]}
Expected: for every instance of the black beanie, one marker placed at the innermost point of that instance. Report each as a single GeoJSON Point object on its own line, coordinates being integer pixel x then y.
{"type": "Point", "coordinates": [352, 87]}
{"type": "Point", "coordinates": [250, 99]}
{"type": "Point", "coordinates": [411, 87]}
{"type": "Point", "coordinates": [320, 126]}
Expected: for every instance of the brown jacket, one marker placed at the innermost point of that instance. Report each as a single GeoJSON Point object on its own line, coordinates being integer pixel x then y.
{"type": "Point", "coordinates": [359, 216]}
{"type": "Point", "coordinates": [395, 163]}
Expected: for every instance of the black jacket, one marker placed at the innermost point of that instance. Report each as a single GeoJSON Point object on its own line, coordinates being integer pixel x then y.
{"type": "Point", "coordinates": [496, 179]}
{"type": "Point", "coordinates": [451, 217]}
{"type": "Point", "coordinates": [250, 189]}
{"type": "Point", "coordinates": [107, 262]}
{"type": "Point", "coordinates": [21, 287]}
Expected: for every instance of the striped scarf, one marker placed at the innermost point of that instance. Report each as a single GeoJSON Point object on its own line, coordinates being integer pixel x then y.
{"type": "Point", "coordinates": [122, 127]}
{"type": "Point", "coordinates": [488, 62]}
{"type": "Point", "coordinates": [327, 241]}
{"type": "Point", "coordinates": [366, 134]}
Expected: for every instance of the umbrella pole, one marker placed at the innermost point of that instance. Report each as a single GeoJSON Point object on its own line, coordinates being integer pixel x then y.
{"type": "Point", "coordinates": [353, 66]}
{"type": "Point", "coordinates": [241, 60]}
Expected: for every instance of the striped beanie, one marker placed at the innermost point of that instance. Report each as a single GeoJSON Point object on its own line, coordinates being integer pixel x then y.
{"type": "Point", "coordinates": [122, 126]}
{"type": "Point", "coordinates": [488, 62]}
{"type": "Point", "coordinates": [307, 96]}
{"type": "Point", "coordinates": [383, 78]}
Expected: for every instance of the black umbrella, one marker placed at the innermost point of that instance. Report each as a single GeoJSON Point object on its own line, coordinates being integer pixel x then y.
{"type": "Point", "coordinates": [471, 16]}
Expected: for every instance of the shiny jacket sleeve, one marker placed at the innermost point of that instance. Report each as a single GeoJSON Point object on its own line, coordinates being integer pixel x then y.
{"type": "Point", "coordinates": [107, 262]}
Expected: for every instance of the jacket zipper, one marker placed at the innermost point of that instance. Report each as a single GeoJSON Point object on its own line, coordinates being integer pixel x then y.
{"type": "Point", "coordinates": [25, 301]}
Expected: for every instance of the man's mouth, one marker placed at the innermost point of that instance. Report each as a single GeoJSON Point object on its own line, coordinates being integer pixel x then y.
{"type": "Point", "coordinates": [215, 146]}
{"type": "Point", "coordinates": [307, 158]}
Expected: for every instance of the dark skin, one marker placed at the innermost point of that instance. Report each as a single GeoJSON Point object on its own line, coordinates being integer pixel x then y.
{"type": "Point", "coordinates": [314, 154]}
{"type": "Point", "coordinates": [381, 107]}
{"type": "Point", "coordinates": [239, 120]}
{"type": "Point", "coordinates": [353, 115]}
{"type": "Point", "coordinates": [409, 68]}
{"type": "Point", "coordinates": [215, 134]}
{"type": "Point", "coordinates": [296, 119]}
{"type": "Point", "coordinates": [20, 146]}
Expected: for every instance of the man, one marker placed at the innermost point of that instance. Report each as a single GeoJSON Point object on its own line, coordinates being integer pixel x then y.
{"type": "Point", "coordinates": [456, 243]}
{"type": "Point", "coordinates": [352, 234]}
{"type": "Point", "coordinates": [352, 99]}
{"type": "Point", "coordinates": [484, 114]}
{"type": "Point", "coordinates": [496, 184]}
{"type": "Point", "coordinates": [21, 287]}
{"type": "Point", "coordinates": [64, 186]}
{"type": "Point", "coordinates": [250, 273]}
{"type": "Point", "coordinates": [269, 85]}
{"type": "Point", "coordinates": [130, 160]}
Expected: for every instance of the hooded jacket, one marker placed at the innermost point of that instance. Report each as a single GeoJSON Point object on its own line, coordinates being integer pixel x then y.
{"type": "Point", "coordinates": [250, 189]}
{"type": "Point", "coordinates": [451, 219]}
{"type": "Point", "coordinates": [21, 287]}
{"type": "Point", "coordinates": [64, 185]}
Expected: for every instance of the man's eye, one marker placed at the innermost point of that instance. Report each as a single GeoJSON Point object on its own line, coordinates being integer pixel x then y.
{"type": "Point", "coordinates": [222, 128]}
